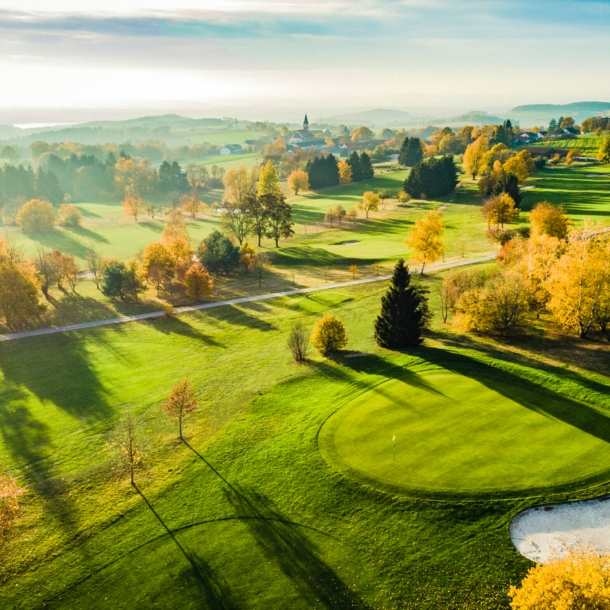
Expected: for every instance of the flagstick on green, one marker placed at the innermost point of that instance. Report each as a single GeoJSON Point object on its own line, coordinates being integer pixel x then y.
{"type": "Point", "coordinates": [393, 447]}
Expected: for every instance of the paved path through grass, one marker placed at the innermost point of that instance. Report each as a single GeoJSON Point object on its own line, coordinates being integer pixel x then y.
{"type": "Point", "coordinates": [257, 297]}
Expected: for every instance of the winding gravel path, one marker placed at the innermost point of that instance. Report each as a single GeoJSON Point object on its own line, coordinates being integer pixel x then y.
{"type": "Point", "coordinates": [258, 297]}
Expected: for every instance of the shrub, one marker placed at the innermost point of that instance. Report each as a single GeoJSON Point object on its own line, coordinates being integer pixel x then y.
{"type": "Point", "coordinates": [69, 216]}
{"type": "Point", "coordinates": [36, 215]}
{"type": "Point", "coordinates": [498, 309]}
{"type": "Point", "coordinates": [169, 310]}
{"type": "Point", "coordinates": [329, 335]}
{"type": "Point", "coordinates": [298, 342]}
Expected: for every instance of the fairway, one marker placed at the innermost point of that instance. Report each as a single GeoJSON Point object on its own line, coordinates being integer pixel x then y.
{"type": "Point", "coordinates": [466, 435]}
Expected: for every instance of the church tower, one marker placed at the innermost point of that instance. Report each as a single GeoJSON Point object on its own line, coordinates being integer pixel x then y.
{"type": "Point", "coordinates": [305, 124]}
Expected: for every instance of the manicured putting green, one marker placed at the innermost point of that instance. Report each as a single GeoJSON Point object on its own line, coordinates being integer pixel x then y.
{"type": "Point", "coordinates": [458, 434]}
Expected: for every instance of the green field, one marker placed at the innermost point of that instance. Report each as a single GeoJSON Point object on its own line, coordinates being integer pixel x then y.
{"type": "Point", "coordinates": [249, 514]}
{"type": "Point", "coordinates": [588, 144]}
{"type": "Point", "coordinates": [584, 190]}
{"type": "Point", "coordinates": [436, 431]}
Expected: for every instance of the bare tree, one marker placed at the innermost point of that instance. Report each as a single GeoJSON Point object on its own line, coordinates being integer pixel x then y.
{"type": "Point", "coordinates": [94, 260]}
{"type": "Point", "coordinates": [298, 342]}
{"type": "Point", "coordinates": [127, 441]}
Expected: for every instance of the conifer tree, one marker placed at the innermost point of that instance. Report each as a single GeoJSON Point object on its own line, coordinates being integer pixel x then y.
{"type": "Point", "coordinates": [366, 167]}
{"type": "Point", "coordinates": [404, 312]}
{"type": "Point", "coordinates": [411, 152]}
{"type": "Point", "coordinates": [354, 162]}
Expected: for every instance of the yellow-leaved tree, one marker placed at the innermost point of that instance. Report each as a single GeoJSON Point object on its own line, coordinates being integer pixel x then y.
{"type": "Point", "coordinates": [298, 180]}
{"type": "Point", "coordinates": [370, 203]}
{"type": "Point", "coordinates": [579, 284]}
{"type": "Point", "coordinates": [36, 215]}
{"type": "Point", "coordinates": [345, 172]}
{"type": "Point", "coordinates": [197, 282]}
{"type": "Point", "coordinates": [426, 238]}
{"type": "Point", "coordinates": [579, 580]}
{"type": "Point", "coordinates": [329, 335]}
{"type": "Point", "coordinates": [549, 219]}
{"type": "Point", "coordinates": [268, 182]}
{"type": "Point", "coordinates": [474, 157]}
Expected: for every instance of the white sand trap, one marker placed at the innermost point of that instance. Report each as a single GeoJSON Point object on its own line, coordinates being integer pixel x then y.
{"type": "Point", "coordinates": [527, 188]}
{"type": "Point", "coordinates": [593, 175]}
{"type": "Point", "coordinates": [546, 532]}
{"type": "Point", "coordinates": [347, 243]}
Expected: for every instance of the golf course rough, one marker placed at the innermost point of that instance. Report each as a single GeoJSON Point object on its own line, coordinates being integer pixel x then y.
{"type": "Point", "coordinates": [436, 432]}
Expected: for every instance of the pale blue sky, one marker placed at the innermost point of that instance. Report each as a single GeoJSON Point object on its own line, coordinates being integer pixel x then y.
{"type": "Point", "coordinates": [321, 54]}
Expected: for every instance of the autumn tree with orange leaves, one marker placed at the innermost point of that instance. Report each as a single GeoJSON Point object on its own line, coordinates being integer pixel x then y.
{"type": "Point", "coordinates": [180, 403]}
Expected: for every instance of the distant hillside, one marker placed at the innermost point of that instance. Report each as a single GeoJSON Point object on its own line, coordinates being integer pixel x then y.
{"type": "Point", "coordinates": [377, 117]}
{"type": "Point", "coordinates": [541, 114]}
{"type": "Point", "coordinates": [477, 117]}
{"type": "Point", "coordinates": [578, 107]}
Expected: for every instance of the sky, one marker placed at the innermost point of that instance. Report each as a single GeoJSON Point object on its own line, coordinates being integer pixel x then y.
{"type": "Point", "coordinates": [257, 58]}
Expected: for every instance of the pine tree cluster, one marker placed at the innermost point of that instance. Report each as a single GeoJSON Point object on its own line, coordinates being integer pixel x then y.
{"type": "Point", "coordinates": [432, 178]}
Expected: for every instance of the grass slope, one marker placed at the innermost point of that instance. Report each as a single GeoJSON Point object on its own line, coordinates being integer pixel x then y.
{"type": "Point", "coordinates": [248, 514]}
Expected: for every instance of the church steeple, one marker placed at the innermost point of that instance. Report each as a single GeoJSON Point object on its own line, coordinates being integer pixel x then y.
{"type": "Point", "coordinates": [305, 124]}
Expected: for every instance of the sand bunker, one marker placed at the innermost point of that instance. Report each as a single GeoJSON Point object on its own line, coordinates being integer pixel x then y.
{"type": "Point", "coordinates": [347, 243]}
{"type": "Point", "coordinates": [549, 531]}
{"type": "Point", "coordinates": [593, 175]}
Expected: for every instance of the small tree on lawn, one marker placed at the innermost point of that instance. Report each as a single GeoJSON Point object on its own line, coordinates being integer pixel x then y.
{"type": "Point", "coordinates": [127, 441]}
{"type": "Point", "coordinates": [298, 342]}
{"type": "Point", "coordinates": [180, 403]}
{"type": "Point", "coordinates": [261, 262]}
{"type": "Point", "coordinates": [329, 335]}
{"type": "Point", "coordinates": [197, 282]}
{"type": "Point", "coordinates": [370, 203]}
{"type": "Point", "coordinates": [426, 238]}
{"type": "Point", "coordinates": [9, 501]}
{"type": "Point", "coordinates": [404, 312]}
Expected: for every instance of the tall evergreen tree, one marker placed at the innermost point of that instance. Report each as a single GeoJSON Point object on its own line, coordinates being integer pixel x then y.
{"type": "Point", "coordinates": [366, 167]}
{"type": "Point", "coordinates": [411, 152]}
{"type": "Point", "coordinates": [354, 162]}
{"type": "Point", "coordinates": [323, 172]}
{"type": "Point", "coordinates": [404, 312]}
{"type": "Point", "coordinates": [432, 178]}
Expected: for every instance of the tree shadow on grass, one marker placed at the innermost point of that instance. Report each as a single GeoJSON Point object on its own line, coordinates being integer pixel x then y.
{"type": "Point", "coordinates": [29, 443]}
{"type": "Point", "coordinates": [177, 326]}
{"type": "Point", "coordinates": [315, 257]}
{"type": "Point", "coordinates": [234, 315]}
{"type": "Point", "coordinates": [298, 557]}
{"type": "Point", "coordinates": [58, 239]}
{"type": "Point", "coordinates": [214, 591]}
{"type": "Point", "coordinates": [377, 371]}
{"type": "Point", "coordinates": [544, 346]}
{"type": "Point", "coordinates": [287, 545]}
{"type": "Point", "coordinates": [152, 225]}
{"type": "Point", "coordinates": [57, 369]}
{"type": "Point", "coordinates": [524, 392]}
{"type": "Point", "coordinates": [89, 234]}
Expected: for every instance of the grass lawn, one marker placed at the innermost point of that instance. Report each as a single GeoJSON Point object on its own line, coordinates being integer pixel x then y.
{"type": "Point", "coordinates": [583, 189]}
{"type": "Point", "coordinates": [249, 514]}
{"type": "Point", "coordinates": [460, 419]}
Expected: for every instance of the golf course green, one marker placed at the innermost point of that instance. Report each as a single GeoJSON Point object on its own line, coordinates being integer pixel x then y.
{"type": "Point", "coordinates": [441, 432]}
